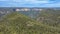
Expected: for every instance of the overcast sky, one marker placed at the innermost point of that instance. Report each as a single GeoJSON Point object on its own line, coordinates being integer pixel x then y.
{"type": "Point", "coordinates": [29, 3]}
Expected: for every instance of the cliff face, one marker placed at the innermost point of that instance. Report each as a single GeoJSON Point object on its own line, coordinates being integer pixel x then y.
{"type": "Point", "coordinates": [4, 11]}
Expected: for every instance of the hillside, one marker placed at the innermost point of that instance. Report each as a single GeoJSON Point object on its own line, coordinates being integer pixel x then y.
{"type": "Point", "coordinates": [50, 17]}
{"type": "Point", "coordinates": [16, 23]}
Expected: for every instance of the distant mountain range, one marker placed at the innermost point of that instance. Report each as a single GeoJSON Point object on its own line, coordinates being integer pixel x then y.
{"type": "Point", "coordinates": [26, 11]}
{"type": "Point", "coordinates": [31, 12]}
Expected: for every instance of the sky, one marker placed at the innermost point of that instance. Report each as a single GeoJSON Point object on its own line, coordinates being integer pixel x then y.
{"type": "Point", "coordinates": [29, 3]}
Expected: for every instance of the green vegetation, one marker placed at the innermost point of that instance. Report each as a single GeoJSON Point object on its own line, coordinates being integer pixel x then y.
{"type": "Point", "coordinates": [16, 23]}
{"type": "Point", "coordinates": [50, 17]}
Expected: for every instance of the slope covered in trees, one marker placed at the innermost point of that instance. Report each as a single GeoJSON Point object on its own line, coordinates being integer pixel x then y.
{"type": "Point", "coordinates": [16, 23]}
{"type": "Point", "coordinates": [50, 17]}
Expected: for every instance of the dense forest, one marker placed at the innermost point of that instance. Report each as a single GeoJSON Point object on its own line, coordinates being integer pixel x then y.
{"type": "Point", "coordinates": [49, 17]}
{"type": "Point", "coordinates": [47, 22]}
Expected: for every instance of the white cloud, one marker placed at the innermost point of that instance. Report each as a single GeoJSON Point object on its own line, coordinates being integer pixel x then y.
{"type": "Point", "coordinates": [39, 3]}
{"type": "Point", "coordinates": [33, 1]}
{"type": "Point", "coordinates": [36, 1]}
{"type": "Point", "coordinates": [28, 1]}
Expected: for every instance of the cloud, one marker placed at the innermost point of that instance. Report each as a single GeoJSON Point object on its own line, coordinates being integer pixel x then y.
{"type": "Point", "coordinates": [30, 3]}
